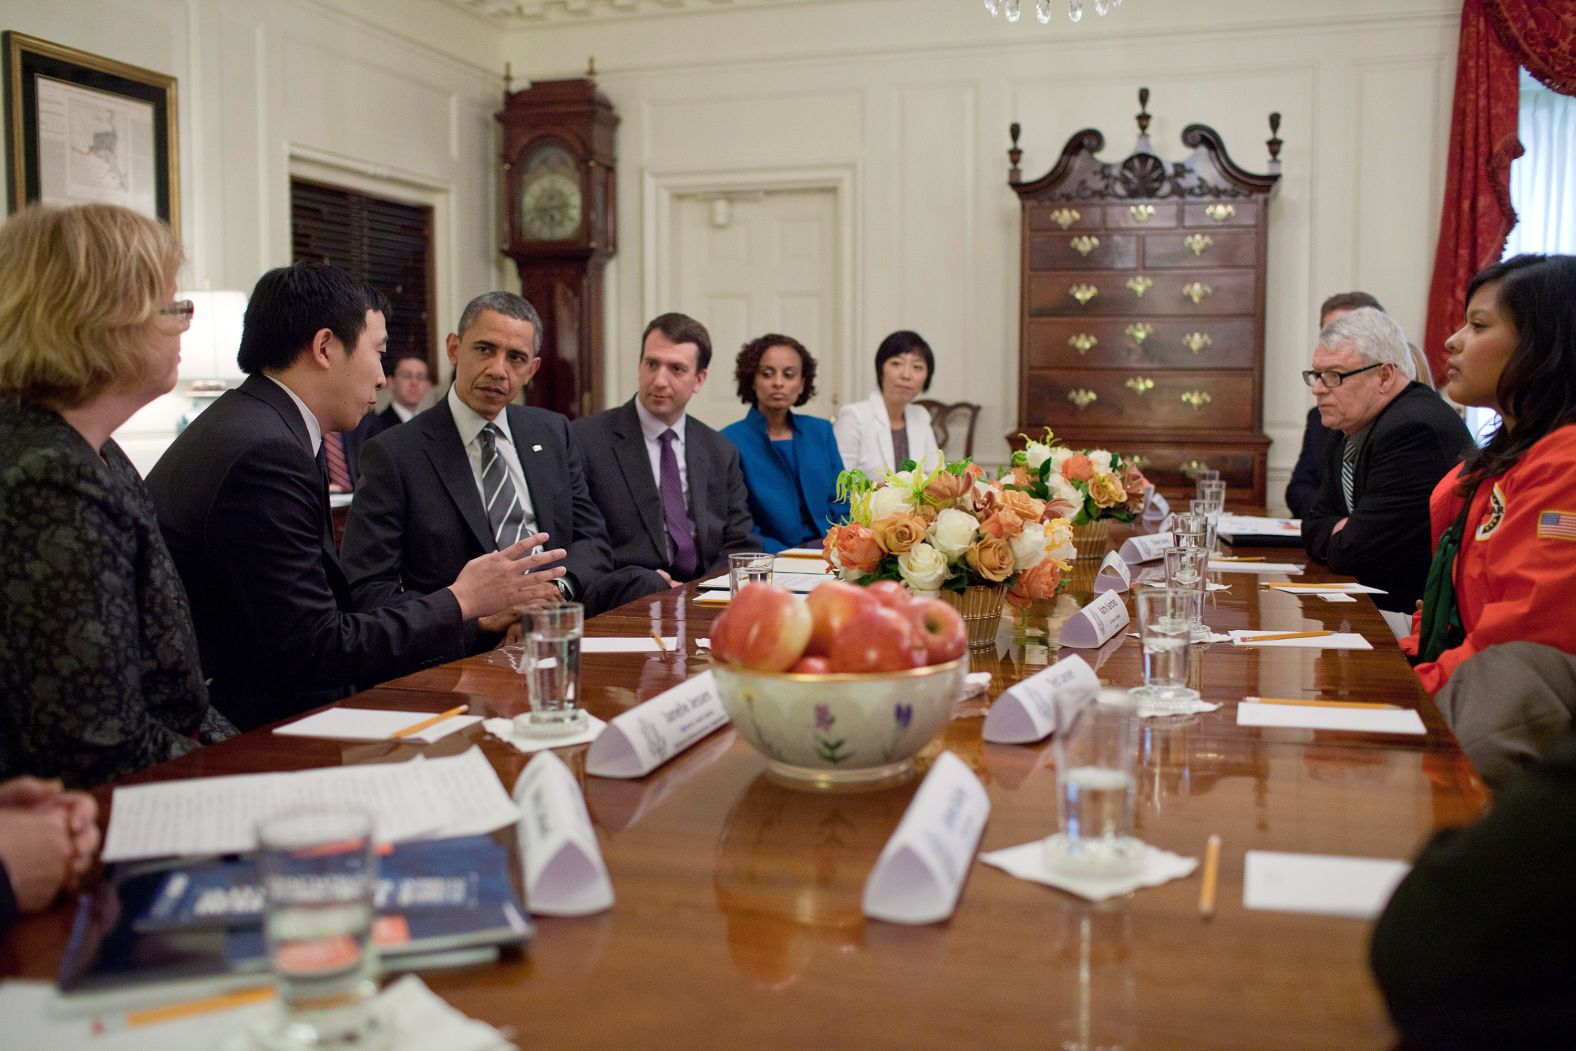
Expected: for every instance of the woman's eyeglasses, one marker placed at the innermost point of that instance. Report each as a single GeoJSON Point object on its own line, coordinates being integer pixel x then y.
{"type": "Point", "coordinates": [182, 310]}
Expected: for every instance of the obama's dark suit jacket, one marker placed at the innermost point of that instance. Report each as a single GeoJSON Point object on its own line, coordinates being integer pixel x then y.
{"type": "Point", "coordinates": [244, 511]}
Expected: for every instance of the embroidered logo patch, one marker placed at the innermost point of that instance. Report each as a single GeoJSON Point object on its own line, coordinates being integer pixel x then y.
{"type": "Point", "coordinates": [1493, 516]}
{"type": "Point", "coordinates": [1557, 525]}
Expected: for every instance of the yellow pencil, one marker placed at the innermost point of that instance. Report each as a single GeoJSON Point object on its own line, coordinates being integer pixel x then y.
{"type": "Point", "coordinates": [240, 998]}
{"type": "Point", "coordinates": [1317, 587]}
{"type": "Point", "coordinates": [1320, 704]}
{"type": "Point", "coordinates": [1285, 635]}
{"type": "Point", "coordinates": [416, 728]}
{"type": "Point", "coordinates": [1206, 893]}
{"type": "Point", "coordinates": [661, 644]}
{"type": "Point", "coordinates": [1238, 558]}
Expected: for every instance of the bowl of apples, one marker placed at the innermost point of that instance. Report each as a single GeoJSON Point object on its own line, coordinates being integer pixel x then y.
{"type": "Point", "coordinates": [843, 687]}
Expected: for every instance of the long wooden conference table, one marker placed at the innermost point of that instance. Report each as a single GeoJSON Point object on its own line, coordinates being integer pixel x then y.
{"type": "Point", "coordinates": [737, 922]}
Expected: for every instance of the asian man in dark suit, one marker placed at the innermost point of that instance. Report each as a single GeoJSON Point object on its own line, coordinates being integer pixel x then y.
{"type": "Point", "coordinates": [473, 473]}
{"type": "Point", "coordinates": [669, 486]}
{"type": "Point", "coordinates": [243, 507]}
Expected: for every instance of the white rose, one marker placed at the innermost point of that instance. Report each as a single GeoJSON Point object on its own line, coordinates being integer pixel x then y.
{"type": "Point", "coordinates": [1059, 456]}
{"type": "Point", "coordinates": [1028, 547]}
{"type": "Point", "coordinates": [1101, 458]}
{"type": "Point", "coordinates": [922, 567]}
{"type": "Point", "coordinates": [890, 500]}
{"type": "Point", "coordinates": [1036, 453]}
{"type": "Point", "coordinates": [903, 478]}
{"type": "Point", "coordinates": [1059, 540]}
{"type": "Point", "coordinates": [953, 532]}
{"type": "Point", "coordinates": [1062, 489]}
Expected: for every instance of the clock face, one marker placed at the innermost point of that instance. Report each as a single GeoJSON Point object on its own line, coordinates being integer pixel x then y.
{"type": "Point", "coordinates": [550, 197]}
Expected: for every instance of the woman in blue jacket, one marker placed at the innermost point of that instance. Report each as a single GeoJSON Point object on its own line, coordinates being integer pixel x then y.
{"type": "Point", "coordinates": [790, 461]}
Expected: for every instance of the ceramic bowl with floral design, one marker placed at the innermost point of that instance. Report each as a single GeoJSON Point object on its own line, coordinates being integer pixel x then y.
{"type": "Point", "coordinates": [839, 729]}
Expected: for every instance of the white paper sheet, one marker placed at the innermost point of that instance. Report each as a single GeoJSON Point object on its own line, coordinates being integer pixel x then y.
{"type": "Point", "coordinates": [1340, 640]}
{"type": "Point", "coordinates": [635, 645]}
{"type": "Point", "coordinates": [1311, 717]}
{"type": "Point", "coordinates": [453, 796]}
{"type": "Point", "coordinates": [798, 582]}
{"type": "Point", "coordinates": [1097, 622]}
{"type": "Point", "coordinates": [1210, 586]}
{"type": "Point", "coordinates": [920, 872]}
{"type": "Point", "coordinates": [1251, 525]}
{"type": "Point", "coordinates": [561, 861]}
{"type": "Point", "coordinates": [1326, 885]}
{"type": "Point", "coordinates": [649, 734]}
{"type": "Point", "coordinates": [1332, 596]}
{"type": "Point", "coordinates": [374, 724]}
{"type": "Point", "coordinates": [1290, 569]}
{"type": "Point", "coordinates": [1319, 588]}
{"type": "Point", "coordinates": [813, 565]}
{"type": "Point", "coordinates": [1026, 711]}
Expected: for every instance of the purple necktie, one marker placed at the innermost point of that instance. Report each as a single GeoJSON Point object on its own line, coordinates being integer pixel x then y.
{"type": "Point", "coordinates": [676, 512]}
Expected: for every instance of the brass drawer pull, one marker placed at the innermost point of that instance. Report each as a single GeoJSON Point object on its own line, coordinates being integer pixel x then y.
{"type": "Point", "coordinates": [1140, 331]}
{"type": "Point", "coordinates": [1083, 293]}
{"type": "Point", "coordinates": [1197, 398]}
{"type": "Point", "coordinates": [1220, 212]}
{"type": "Point", "coordinates": [1065, 217]}
{"type": "Point", "coordinates": [1196, 341]}
{"type": "Point", "coordinates": [1198, 242]}
{"type": "Point", "coordinates": [1085, 244]}
{"type": "Point", "coordinates": [1082, 397]}
{"type": "Point", "coordinates": [1082, 341]}
{"type": "Point", "coordinates": [1136, 461]}
{"type": "Point", "coordinates": [1139, 384]}
{"type": "Point", "coordinates": [1140, 285]}
{"type": "Point", "coordinates": [1197, 291]}
{"type": "Point", "coordinates": [1192, 467]}
{"type": "Point", "coordinates": [1141, 213]}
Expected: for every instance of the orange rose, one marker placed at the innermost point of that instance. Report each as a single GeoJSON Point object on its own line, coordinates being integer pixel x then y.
{"type": "Point", "coordinates": [1135, 483]}
{"type": "Point", "coordinates": [856, 547]}
{"type": "Point", "coordinates": [1003, 525]}
{"type": "Point", "coordinates": [944, 489]}
{"type": "Point", "coordinates": [1020, 476]}
{"type": "Point", "coordinates": [991, 558]}
{"type": "Point", "coordinates": [899, 532]}
{"type": "Point", "coordinates": [1037, 582]}
{"type": "Point", "coordinates": [928, 512]}
{"type": "Point", "coordinates": [1106, 490]}
{"type": "Point", "coordinates": [1077, 468]}
{"type": "Point", "coordinates": [1023, 505]}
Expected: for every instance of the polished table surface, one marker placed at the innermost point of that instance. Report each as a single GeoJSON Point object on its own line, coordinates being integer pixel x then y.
{"type": "Point", "coordinates": [737, 922]}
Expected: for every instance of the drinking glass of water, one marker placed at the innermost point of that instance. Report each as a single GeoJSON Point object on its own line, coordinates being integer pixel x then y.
{"type": "Point", "coordinates": [552, 670]}
{"type": "Point", "coordinates": [748, 567]}
{"type": "Point", "coordinates": [1096, 778]}
{"type": "Point", "coordinates": [319, 872]}
{"type": "Point", "coordinates": [1187, 568]}
{"type": "Point", "coordinates": [1189, 529]}
{"type": "Point", "coordinates": [1165, 624]}
{"type": "Point", "coordinates": [1202, 476]}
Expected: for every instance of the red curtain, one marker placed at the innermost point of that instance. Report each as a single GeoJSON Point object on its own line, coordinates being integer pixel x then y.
{"type": "Point", "coordinates": [1477, 215]}
{"type": "Point", "coordinates": [1541, 35]}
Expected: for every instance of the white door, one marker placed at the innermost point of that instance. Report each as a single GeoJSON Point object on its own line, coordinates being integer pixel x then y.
{"type": "Point", "coordinates": [748, 264]}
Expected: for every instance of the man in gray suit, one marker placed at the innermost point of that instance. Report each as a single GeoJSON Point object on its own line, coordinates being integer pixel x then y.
{"type": "Point", "coordinates": [474, 472]}
{"type": "Point", "coordinates": [669, 486]}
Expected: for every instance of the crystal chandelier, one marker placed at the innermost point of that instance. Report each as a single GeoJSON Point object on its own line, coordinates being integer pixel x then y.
{"type": "Point", "coordinates": [1013, 9]}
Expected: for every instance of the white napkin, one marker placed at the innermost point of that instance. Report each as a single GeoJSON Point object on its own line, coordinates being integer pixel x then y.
{"type": "Point", "coordinates": [1155, 711]}
{"type": "Point", "coordinates": [974, 682]}
{"type": "Point", "coordinates": [504, 730]}
{"type": "Point", "coordinates": [1027, 862]}
{"type": "Point", "coordinates": [642, 644]}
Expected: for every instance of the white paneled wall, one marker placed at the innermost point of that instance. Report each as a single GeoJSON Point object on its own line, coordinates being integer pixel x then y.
{"type": "Point", "coordinates": [914, 97]}
{"type": "Point", "coordinates": [391, 97]}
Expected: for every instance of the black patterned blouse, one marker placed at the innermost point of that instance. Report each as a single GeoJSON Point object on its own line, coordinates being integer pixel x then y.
{"type": "Point", "coordinates": [99, 673]}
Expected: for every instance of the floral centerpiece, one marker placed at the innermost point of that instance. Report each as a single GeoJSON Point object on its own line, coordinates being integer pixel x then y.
{"type": "Point", "coordinates": [1090, 487]}
{"type": "Point", "coordinates": [952, 533]}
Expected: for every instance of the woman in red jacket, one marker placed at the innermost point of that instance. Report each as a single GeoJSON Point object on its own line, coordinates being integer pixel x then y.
{"type": "Point", "coordinates": [1504, 522]}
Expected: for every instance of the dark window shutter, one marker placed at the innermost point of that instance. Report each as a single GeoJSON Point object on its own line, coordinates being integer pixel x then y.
{"type": "Point", "coordinates": [387, 244]}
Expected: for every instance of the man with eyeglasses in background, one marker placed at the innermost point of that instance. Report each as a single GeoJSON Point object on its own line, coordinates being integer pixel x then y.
{"type": "Point", "coordinates": [1398, 438]}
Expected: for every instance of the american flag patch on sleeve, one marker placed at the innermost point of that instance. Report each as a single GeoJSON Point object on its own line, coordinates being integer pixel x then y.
{"type": "Point", "coordinates": [1557, 525]}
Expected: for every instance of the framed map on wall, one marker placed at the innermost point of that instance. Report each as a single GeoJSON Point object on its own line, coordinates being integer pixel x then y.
{"type": "Point", "coordinates": [83, 128]}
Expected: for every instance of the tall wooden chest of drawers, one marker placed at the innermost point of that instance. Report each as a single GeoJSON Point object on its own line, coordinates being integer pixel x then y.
{"type": "Point", "coordinates": [1142, 306]}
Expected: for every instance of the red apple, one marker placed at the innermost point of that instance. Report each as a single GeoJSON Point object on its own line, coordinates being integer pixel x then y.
{"type": "Point", "coordinates": [811, 666]}
{"type": "Point", "coordinates": [877, 639]}
{"type": "Point", "coordinates": [890, 594]}
{"type": "Point", "coordinates": [764, 628]}
{"type": "Point", "coordinates": [946, 636]}
{"type": "Point", "coordinates": [832, 605]}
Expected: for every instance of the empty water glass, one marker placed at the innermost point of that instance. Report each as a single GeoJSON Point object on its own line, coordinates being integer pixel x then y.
{"type": "Point", "coordinates": [748, 567]}
{"type": "Point", "coordinates": [1203, 475]}
{"type": "Point", "coordinates": [1096, 745]}
{"type": "Point", "coordinates": [1165, 626]}
{"type": "Point", "coordinates": [552, 670]}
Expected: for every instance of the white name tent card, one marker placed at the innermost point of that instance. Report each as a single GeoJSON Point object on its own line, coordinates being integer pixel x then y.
{"type": "Point", "coordinates": [649, 734]}
{"type": "Point", "coordinates": [1146, 547]}
{"type": "Point", "coordinates": [1113, 574]}
{"type": "Point", "coordinates": [920, 873]}
{"type": "Point", "coordinates": [1157, 507]}
{"type": "Point", "coordinates": [1091, 626]}
{"type": "Point", "coordinates": [374, 724]}
{"type": "Point", "coordinates": [1316, 717]}
{"type": "Point", "coordinates": [563, 867]}
{"type": "Point", "coordinates": [424, 798]}
{"type": "Point", "coordinates": [1026, 712]}
{"type": "Point", "coordinates": [1321, 884]}
{"type": "Point", "coordinates": [1335, 640]}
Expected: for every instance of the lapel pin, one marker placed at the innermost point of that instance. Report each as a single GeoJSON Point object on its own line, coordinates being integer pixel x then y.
{"type": "Point", "coordinates": [536, 448]}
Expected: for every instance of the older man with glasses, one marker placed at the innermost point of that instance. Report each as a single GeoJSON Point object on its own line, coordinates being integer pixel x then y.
{"type": "Point", "coordinates": [1398, 438]}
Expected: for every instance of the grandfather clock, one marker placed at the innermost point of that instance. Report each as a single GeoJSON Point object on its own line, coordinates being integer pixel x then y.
{"type": "Point", "coordinates": [559, 228]}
